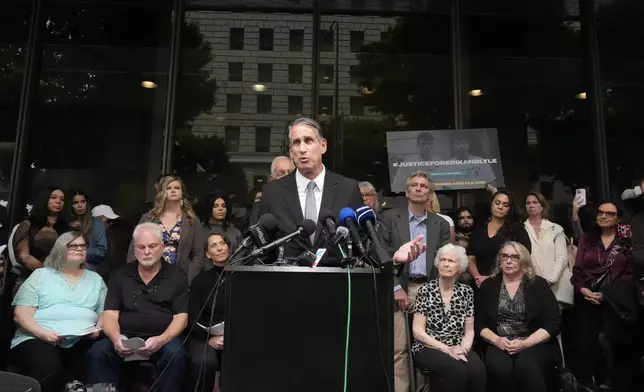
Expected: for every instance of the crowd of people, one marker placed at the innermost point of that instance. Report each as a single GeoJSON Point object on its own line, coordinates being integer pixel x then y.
{"type": "Point", "coordinates": [491, 303]}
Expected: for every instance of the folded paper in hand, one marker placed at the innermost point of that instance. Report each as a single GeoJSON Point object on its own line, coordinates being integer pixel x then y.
{"type": "Point", "coordinates": [215, 330]}
{"type": "Point", "coordinates": [134, 344]}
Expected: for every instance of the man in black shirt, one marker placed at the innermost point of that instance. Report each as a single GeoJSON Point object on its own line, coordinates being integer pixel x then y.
{"type": "Point", "coordinates": [147, 299]}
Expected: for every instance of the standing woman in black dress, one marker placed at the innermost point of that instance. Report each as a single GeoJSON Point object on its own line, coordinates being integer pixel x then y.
{"type": "Point", "coordinates": [487, 239]}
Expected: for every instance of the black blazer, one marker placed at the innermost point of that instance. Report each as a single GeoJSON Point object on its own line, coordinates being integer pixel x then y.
{"type": "Point", "coordinates": [280, 198]}
{"type": "Point", "coordinates": [541, 307]}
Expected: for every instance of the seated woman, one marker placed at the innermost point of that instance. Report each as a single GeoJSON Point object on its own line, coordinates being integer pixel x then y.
{"type": "Point", "coordinates": [444, 327]}
{"type": "Point", "coordinates": [217, 250]}
{"type": "Point", "coordinates": [56, 308]}
{"type": "Point", "coordinates": [517, 316]}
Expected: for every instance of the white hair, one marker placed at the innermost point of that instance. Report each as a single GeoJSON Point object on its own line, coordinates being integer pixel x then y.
{"type": "Point", "coordinates": [277, 159]}
{"type": "Point", "coordinates": [147, 227]}
{"type": "Point", "coordinates": [455, 250]}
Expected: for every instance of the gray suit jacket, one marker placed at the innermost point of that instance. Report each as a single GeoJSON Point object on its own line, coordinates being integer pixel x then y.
{"type": "Point", "coordinates": [394, 232]}
{"type": "Point", "coordinates": [191, 245]}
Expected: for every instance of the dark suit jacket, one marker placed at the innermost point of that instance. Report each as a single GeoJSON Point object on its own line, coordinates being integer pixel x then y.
{"type": "Point", "coordinates": [191, 245]}
{"type": "Point", "coordinates": [394, 232]}
{"type": "Point", "coordinates": [280, 198]}
{"type": "Point", "coordinates": [541, 307]}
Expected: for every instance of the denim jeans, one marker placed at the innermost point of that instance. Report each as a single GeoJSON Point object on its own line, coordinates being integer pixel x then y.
{"type": "Point", "coordinates": [104, 365]}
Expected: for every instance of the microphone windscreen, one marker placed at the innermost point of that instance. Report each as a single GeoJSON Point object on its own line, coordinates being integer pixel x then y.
{"type": "Point", "coordinates": [365, 214]}
{"type": "Point", "coordinates": [342, 233]}
{"type": "Point", "coordinates": [345, 213]}
{"type": "Point", "coordinates": [325, 214]}
{"type": "Point", "coordinates": [309, 227]}
{"type": "Point", "coordinates": [268, 221]}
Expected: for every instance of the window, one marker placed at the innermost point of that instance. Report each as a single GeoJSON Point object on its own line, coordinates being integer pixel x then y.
{"type": "Point", "coordinates": [232, 139]}
{"type": "Point", "coordinates": [262, 139]}
{"type": "Point", "coordinates": [326, 105]}
{"type": "Point", "coordinates": [384, 35]}
{"type": "Point", "coordinates": [233, 103]}
{"type": "Point", "coordinates": [355, 79]}
{"type": "Point", "coordinates": [326, 41]}
{"type": "Point", "coordinates": [325, 73]}
{"type": "Point", "coordinates": [357, 106]}
{"type": "Point", "coordinates": [295, 105]}
{"type": "Point", "coordinates": [264, 104]}
{"type": "Point", "coordinates": [236, 38]}
{"type": "Point", "coordinates": [295, 72]}
{"type": "Point", "coordinates": [265, 73]}
{"type": "Point", "coordinates": [266, 39]}
{"type": "Point", "coordinates": [235, 72]}
{"type": "Point", "coordinates": [356, 40]}
{"type": "Point", "coordinates": [296, 41]}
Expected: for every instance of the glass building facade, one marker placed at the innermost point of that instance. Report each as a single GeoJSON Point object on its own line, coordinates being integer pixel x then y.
{"type": "Point", "coordinates": [105, 95]}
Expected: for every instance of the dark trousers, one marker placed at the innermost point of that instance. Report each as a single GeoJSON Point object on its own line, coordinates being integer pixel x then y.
{"type": "Point", "coordinates": [104, 365]}
{"type": "Point", "coordinates": [449, 375]}
{"type": "Point", "coordinates": [529, 371]}
{"type": "Point", "coordinates": [51, 366]}
{"type": "Point", "coordinates": [207, 363]}
{"type": "Point", "coordinates": [587, 360]}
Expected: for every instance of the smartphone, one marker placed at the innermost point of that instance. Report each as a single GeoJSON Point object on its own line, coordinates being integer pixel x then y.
{"type": "Point", "coordinates": [580, 195]}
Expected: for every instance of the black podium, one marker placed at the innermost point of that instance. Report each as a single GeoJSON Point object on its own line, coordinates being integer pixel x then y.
{"type": "Point", "coordinates": [286, 329]}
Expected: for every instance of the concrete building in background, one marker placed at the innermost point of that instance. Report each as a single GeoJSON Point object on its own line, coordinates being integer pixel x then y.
{"type": "Point", "coordinates": [262, 64]}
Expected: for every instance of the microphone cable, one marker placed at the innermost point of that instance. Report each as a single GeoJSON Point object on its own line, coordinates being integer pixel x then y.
{"type": "Point", "coordinates": [214, 290]}
{"type": "Point", "coordinates": [378, 332]}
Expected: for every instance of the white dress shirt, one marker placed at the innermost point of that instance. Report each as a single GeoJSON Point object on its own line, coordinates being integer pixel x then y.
{"type": "Point", "coordinates": [302, 183]}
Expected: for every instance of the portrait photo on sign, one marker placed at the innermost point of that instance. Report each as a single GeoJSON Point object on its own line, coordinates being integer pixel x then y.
{"type": "Point", "coordinates": [455, 159]}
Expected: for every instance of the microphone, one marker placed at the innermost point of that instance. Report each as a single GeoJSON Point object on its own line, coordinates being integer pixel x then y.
{"type": "Point", "coordinates": [257, 234]}
{"type": "Point", "coordinates": [305, 229]}
{"type": "Point", "coordinates": [366, 220]}
{"type": "Point", "coordinates": [342, 233]}
{"type": "Point", "coordinates": [328, 219]}
{"type": "Point", "coordinates": [348, 217]}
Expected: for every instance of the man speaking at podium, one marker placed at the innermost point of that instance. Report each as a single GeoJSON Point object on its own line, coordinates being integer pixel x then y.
{"type": "Point", "coordinates": [308, 189]}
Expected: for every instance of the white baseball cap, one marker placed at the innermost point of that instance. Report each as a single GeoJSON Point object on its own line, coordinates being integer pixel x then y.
{"type": "Point", "coordinates": [104, 210]}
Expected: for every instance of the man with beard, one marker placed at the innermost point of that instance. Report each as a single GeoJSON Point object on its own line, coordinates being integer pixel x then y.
{"type": "Point", "coordinates": [398, 226]}
{"type": "Point", "coordinates": [464, 225]}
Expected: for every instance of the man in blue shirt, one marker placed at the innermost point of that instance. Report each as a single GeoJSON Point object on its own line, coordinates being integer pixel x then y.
{"type": "Point", "coordinates": [399, 226]}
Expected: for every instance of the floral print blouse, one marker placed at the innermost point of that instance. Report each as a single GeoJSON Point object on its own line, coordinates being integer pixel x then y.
{"type": "Point", "coordinates": [171, 242]}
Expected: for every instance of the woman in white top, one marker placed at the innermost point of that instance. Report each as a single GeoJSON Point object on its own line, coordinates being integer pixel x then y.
{"type": "Point", "coordinates": [434, 206]}
{"type": "Point", "coordinates": [549, 248]}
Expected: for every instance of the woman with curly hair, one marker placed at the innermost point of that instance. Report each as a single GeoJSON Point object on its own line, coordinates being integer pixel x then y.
{"type": "Point", "coordinates": [182, 235]}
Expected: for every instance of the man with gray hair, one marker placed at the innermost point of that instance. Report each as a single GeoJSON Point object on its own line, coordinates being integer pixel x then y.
{"type": "Point", "coordinates": [398, 227]}
{"type": "Point", "coordinates": [307, 190]}
{"type": "Point", "coordinates": [146, 299]}
{"type": "Point", "coordinates": [281, 166]}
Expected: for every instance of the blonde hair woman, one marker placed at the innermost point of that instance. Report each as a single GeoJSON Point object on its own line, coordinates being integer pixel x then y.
{"type": "Point", "coordinates": [181, 229]}
{"type": "Point", "coordinates": [549, 248]}
{"type": "Point", "coordinates": [517, 316]}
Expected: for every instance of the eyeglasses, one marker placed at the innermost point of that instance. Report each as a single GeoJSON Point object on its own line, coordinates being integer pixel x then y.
{"type": "Point", "coordinates": [367, 194]}
{"type": "Point", "coordinates": [608, 214]}
{"type": "Point", "coordinates": [77, 246]}
{"type": "Point", "coordinates": [506, 256]}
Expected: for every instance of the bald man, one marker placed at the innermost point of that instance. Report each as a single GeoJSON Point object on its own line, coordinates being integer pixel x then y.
{"type": "Point", "coordinates": [281, 166]}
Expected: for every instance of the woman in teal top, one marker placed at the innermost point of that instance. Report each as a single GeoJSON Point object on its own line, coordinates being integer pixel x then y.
{"type": "Point", "coordinates": [57, 311]}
